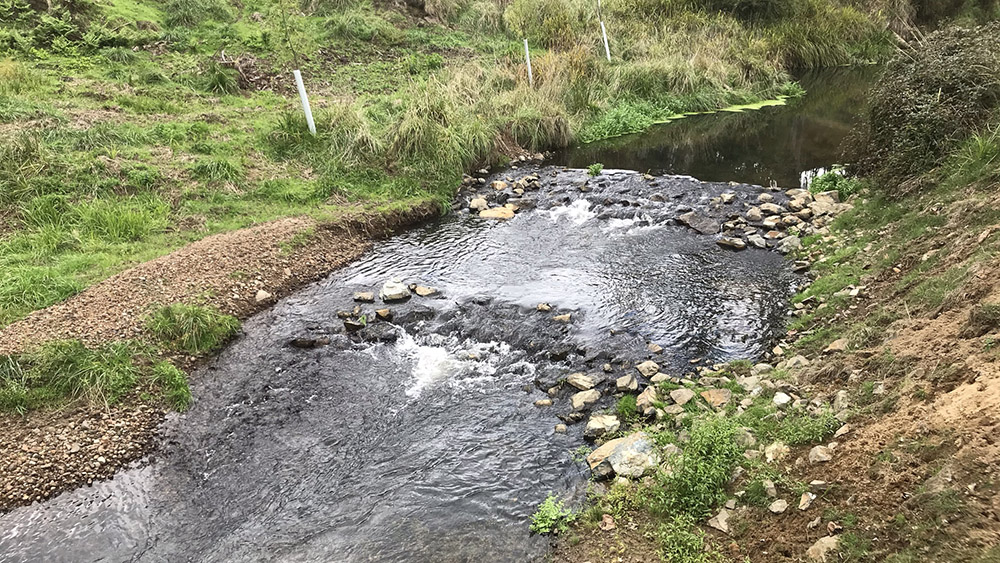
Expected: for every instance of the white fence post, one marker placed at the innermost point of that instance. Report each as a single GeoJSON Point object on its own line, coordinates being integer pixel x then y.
{"type": "Point", "coordinates": [604, 33]}
{"type": "Point", "coordinates": [527, 57]}
{"type": "Point", "coordinates": [305, 101]}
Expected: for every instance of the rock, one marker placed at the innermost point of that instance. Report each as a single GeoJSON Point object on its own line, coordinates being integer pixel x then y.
{"type": "Point", "coordinates": [838, 345]}
{"type": "Point", "coordinates": [498, 185]}
{"type": "Point", "coordinates": [353, 325]}
{"type": "Point", "coordinates": [308, 343]}
{"type": "Point", "coordinates": [673, 409]}
{"type": "Point", "coordinates": [543, 307]}
{"type": "Point", "coordinates": [607, 523]}
{"type": "Point", "coordinates": [631, 456]}
{"type": "Point", "coordinates": [781, 400]}
{"type": "Point", "coordinates": [772, 209]}
{"type": "Point", "coordinates": [581, 381]}
{"type": "Point", "coordinates": [823, 548]}
{"type": "Point", "coordinates": [797, 362]}
{"type": "Point", "coordinates": [584, 399]}
{"type": "Point", "coordinates": [601, 424]}
{"type": "Point", "coordinates": [765, 198]}
{"type": "Point", "coordinates": [841, 401]}
{"type": "Point", "coordinates": [761, 369]}
{"type": "Point", "coordinates": [731, 504]}
{"type": "Point", "coordinates": [378, 332]}
{"type": "Point", "coordinates": [383, 314]}
{"type": "Point", "coordinates": [717, 397]}
{"type": "Point", "coordinates": [791, 220]}
{"type": "Point", "coordinates": [648, 368]}
{"type": "Point", "coordinates": [479, 204]}
{"type": "Point", "coordinates": [543, 403]}
{"type": "Point", "coordinates": [827, 197]}
{"type": "Point", "coordinates": [682, 396]}
{"type": "Point", "coordinates": [731, 242]}
{"type": "Point", "coordinates": [728, 197]}
{"type": "Point", "coordinates": [769, 489]}
{"type": "Point", "coordinates": [720, 521]}
{"type": "Point", "coordinates": [779, 506]}
{"type": "Point", "coordinates": [644, 403]}
{"type": "Point", "coordinates": [700, 223]}
{"type": "Point", "coordinates": [364, 296]}
{"type": "Point", "coordinates": [626, 383]}
{"type": "Point", "coordinates": [813, 524]}
{"type": "Point", "coordinates": [654, 348]}
{"type": "Point", "coordinates": [744, 437]}
{"type": "Point", "coordinates": [806, 501]}
{"type": "Point", "coordinates": [820, 454]}
{"type": "Point", "coordinates": [772, 222]}
{"type": "Point", "coordinates": [842, 430]}
{"type": "Point", "coordinates": [560, 429]}
{"type": "Point", "coordinates": [659, 378]}
{"type": "Point", "coordinates": [261, 296]}
{"type": "Point", "coordinates": [757, 241]}
{"type": "Point", "coordinates": [502, 213]}
{"type": "Point", "coordinates": [563, 318]}
{"type": "Point", "coordinates": [394, 291]}
{"type": "Point", "coordinates": [789, 244]}
{"type": "Point", "coordinates": [776, 452]}
{"type": "Point", "coordinates": [755, 215]}
{"type": "Point", "coordinates": [423, 291]}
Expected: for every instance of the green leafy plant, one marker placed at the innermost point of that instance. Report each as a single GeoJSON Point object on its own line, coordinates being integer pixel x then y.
{"type": "Point", "coordinates": [595, 169]}
{"type": "Point", "coordinates": [551, 517]}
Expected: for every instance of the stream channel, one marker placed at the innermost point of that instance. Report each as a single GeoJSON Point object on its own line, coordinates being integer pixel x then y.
{"type": "Point", "coordinates": [418, 440]}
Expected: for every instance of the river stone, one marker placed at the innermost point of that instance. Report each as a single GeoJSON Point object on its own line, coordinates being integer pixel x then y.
{"type": "Point", "coordinates": [497, 213]}
{"type": "Point", "coordinates": [827, 197]}
{"type": "Point", "coordinates": [353, 325]}
{"type": "Point", "coordinates": [581, 381]}
{"type": "Point", "coordinates": [778, 506]}
{"type": "Point", "coordinates": [364, 296]}
{"type": "Point", "coordinates": [631, 456]}
{"type": "Point", "coordinates": [563, 318]}
{"type": "Point", "coordinates": [820, 454]}
{"type": "Point", "coordinates": [560, 429]}
{"type": "Point", "coordinates": [648, 368]}
{"type": "Point", "coordinates": [755, 215]}
{"type": "Point", "coordinates": [757, 241]}
{"type": "Point", "coordinates": [789, 244]}
{"type": "Point", "coordinates": [682, 396]}
{"type": "Point", "coordinates": [601, 424]}
{"type": "Point", "coordinates": [765, 198]}
{"type": "Point", "coordinates": [731, 242]}
{"type": "Point", "coordinates": [383, 314]}
{"type": "Point", "coordinates": [727, 197]}
{"type": "Point", "coordinates": [543, 403]}
{"type": "Point", "coordinates": [790, 220]}
{"type": "Point", "coordinates": [700, 223]}
{"type": "Point", "coordinates": [673, 410]}
{"type": "Point", "coordinates": [772, 222]}
{"type": "Point", "coordinates": [394, 291]}
{"type": "Point", "coordinates": [821, 208]}
{"type": "Point", "coordinates": [822, 548]}
{"type": "Point", "coordinates": [772, 208]}
{"type": "Point", "coordinates": [654, 348]}
{"type": "Point", "coordinates": [584, 399]}
{"type": "Point", "coordinates": [543, 307]}
{"type": "Point", "coordinates": [478, 204]}
{"type": "Point", "coordinates": [626, 383]}
{"type": "Point", "coordinates": [644, 402]}
{"type": "Point", "coordinates": [717, 397]}
{"type": "Point", "coordinates": [424, 291]}
{"type": "Point", "coordinates": [720, 521]}
{"type": "Point", "coordinates": [659, 378]}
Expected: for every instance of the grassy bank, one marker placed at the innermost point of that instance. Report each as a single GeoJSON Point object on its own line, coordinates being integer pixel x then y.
{"type": "Point", "coordinates": [899, 328]}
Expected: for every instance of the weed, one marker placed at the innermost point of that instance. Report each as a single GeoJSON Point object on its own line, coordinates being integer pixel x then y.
{"type": "Point", "coordinates": [595, 169]}
{"type": "Point", "coordinates": [626, 408]}
{"type": "Point", "coordinates": [174, 383]}
{"type": "Point", "coordinates": [680, 539]}
{"type": "Point", "coordinates": [580, 454]}
{"type": "Point", "coordinates": [551, 517]}
{"type": "Point", "coordinates": [217, 170]}
{"type": "Point", "coordinates": [191, 328]}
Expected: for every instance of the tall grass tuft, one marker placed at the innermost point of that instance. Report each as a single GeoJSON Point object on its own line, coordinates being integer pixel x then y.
{"type": "Point", "coordinates": [191, 328]}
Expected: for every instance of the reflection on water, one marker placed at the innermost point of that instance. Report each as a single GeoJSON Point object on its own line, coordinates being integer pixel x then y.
{"type": "Point", "coordinates": [756, 147]}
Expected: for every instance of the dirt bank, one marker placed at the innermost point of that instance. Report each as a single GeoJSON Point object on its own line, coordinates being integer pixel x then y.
{"type": "Point", "coordinates": [45, 453]}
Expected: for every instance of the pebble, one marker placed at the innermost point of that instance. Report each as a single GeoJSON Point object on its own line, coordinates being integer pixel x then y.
{"type": "Point", "coordinates": [779, 506]}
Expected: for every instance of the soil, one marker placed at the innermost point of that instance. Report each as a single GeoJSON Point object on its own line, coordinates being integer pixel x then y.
{"type": "Point", "coordinates": [45, 453]}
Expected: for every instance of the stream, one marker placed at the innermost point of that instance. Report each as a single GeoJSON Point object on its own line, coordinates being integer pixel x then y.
{"type": "Point", "coordinates": [418, 440]}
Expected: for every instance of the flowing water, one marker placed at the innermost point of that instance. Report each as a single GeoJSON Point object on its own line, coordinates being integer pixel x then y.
{"type": "Point", "coordinates": [419, 440]}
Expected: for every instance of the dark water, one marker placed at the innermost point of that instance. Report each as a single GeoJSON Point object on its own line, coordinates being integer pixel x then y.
{"type": "Point", "coordinates": [427, 446]}
{"type": "Point", "coordinates": [757, 147]}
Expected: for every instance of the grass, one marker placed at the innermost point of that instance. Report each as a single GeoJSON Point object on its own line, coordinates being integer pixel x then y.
{"type": "Point", "coordinates": [191, 329]}
{"type": "Point", "coordinates": [62, 371]}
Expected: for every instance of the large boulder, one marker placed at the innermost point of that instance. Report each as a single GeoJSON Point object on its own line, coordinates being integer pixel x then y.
{"type": "Point", "coordinates": [632, 456]}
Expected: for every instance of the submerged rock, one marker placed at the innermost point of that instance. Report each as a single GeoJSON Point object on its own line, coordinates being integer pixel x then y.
{"type": "Point", "coordinates": [731, 242]}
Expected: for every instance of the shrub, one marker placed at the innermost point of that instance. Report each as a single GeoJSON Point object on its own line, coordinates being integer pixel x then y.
{"type": "Point", "coordinates": [927, 102]}
{"type": "Point", "coordinates": [680, 540]}
{"type": "Point", "coordinates": [595, 169]}
{"type": "Point", "coordinates": [550, 23]}
{"type": "Point", "coordinates": [551, 517]}
{"type": "Point", "coordinates": [191, 328]}
{"type": "Point", "coordinates": [836, 180]}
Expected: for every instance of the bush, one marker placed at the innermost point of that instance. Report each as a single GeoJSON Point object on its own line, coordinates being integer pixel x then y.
{"type": "Point", "coordinates": [362, 24]}
{"type": "Point", "coordinates": [191, 329]}
{"type": "Point", "coordinates": [836, 180]}
{"type": "Point", "coordinates": [928, 101]}
{"type": "Point", "coordinates": [551, 517]}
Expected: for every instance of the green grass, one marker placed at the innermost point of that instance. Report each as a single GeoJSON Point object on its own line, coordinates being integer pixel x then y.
{"type": "Point", "coordinates": [191, 329]}
{"type": "Point", "coordinates": [62, 371]}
